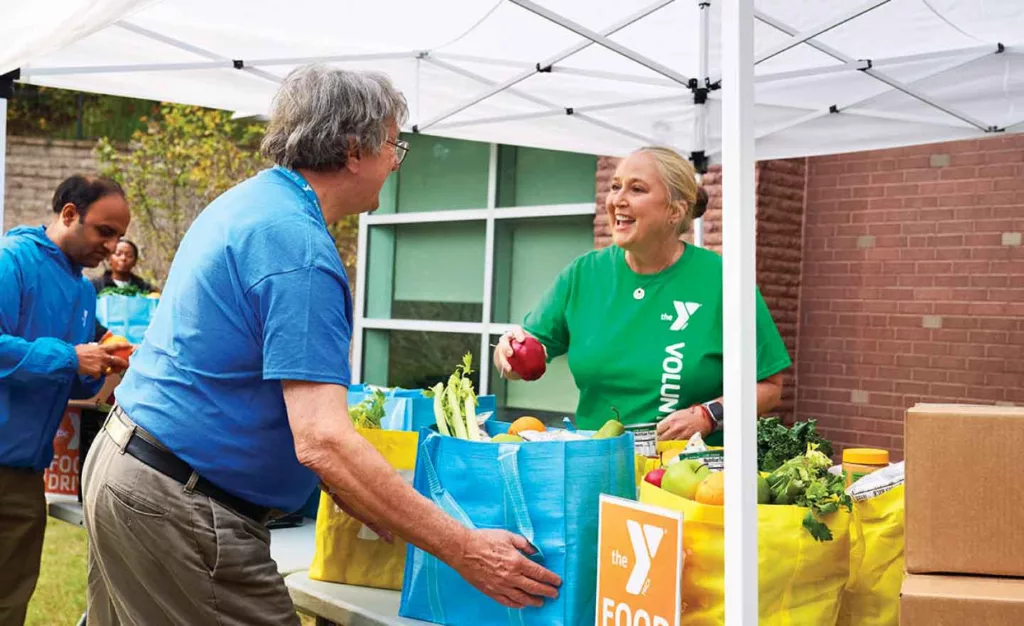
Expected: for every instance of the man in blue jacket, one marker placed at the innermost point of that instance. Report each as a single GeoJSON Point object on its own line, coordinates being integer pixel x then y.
{"type": "Point", "coordinates": [47, 311]}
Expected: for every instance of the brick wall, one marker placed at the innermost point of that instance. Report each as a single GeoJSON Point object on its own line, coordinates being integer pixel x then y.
{"type": "Point", "coordinates": [913, 285]}
{"type": "Point", "coordinates": [780, 206]}
{"type": "Point", "coordinates": [780, 217]}
{"type": "Point", "coordinates": [34, 169]}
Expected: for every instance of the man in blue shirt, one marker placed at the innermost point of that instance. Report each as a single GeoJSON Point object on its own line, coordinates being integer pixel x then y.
{"type": "Point", "coordinates": [236, 402]}
{"type": "Point", "coordinates": [47, 311]}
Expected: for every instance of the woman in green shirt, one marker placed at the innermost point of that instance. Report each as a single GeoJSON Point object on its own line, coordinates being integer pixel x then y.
{"type": "Point", "coordinates": [641, 321]}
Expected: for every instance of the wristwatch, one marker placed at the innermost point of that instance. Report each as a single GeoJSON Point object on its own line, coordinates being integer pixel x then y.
{"type": "Point", "coordinates": [715, 410]}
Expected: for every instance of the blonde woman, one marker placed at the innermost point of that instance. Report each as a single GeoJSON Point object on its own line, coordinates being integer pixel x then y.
{"type": "Point", "coordinates": [641, 320]}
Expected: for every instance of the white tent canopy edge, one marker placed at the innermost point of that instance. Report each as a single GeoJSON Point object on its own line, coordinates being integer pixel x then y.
{"type": "Point", "coordinates": [928, 119]}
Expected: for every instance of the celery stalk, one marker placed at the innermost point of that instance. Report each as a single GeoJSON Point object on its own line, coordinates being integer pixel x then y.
{"type": "Point", "coordinates": [471, 426]}
{"type": "Point", "coordinates": [453, 405]}
{"type": "Point", "coordinates": [442, 421]}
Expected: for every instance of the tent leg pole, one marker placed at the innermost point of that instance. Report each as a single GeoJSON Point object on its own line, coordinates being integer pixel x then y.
{"type": "Point", "coordinates": [3, 159]}
{"type": "Point", "coordinates": [700, 120]}
{"type": "Point", "coordinates": [738, 260]}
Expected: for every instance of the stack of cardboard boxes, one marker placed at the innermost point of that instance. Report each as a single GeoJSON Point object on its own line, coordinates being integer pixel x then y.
{"type": "Point", "coordinates": [964, 516]}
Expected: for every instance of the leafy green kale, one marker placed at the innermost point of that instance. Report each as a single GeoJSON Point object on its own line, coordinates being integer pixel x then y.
{"type": "Point", "coordinates": [776, 444]}
{"type": "Point", "coordinates": [806, 482]}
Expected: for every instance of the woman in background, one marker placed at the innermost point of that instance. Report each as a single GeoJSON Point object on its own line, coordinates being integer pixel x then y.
{"type": "Point", "coordinates": [121, 264]}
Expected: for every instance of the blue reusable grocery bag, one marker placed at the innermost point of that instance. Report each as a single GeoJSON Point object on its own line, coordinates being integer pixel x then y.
{"type": "Point", "coordinates": [545, 491]}
{"type": "Point", "coordinates": [409, 409]}
{"type": "Point", "coordinates": [128, 316]}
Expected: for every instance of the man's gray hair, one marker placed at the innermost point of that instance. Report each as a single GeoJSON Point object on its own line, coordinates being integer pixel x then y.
{"type": "Point", "coordinates": [321, 113]}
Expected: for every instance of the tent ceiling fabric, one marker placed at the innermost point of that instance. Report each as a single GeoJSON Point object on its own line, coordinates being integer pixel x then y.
{"type": "Point", "coordinates": [892, 72]}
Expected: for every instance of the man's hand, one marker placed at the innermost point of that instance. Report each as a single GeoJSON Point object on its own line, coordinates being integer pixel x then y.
{"type": "Point", "coordinates": [684, 424]}
{"type": "Point", "coordinates": [97, 361]}
{"type": "Point", "coordinates": [493, 562]}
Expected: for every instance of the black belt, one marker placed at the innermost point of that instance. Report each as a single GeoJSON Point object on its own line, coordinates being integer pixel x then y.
{"type": "Point", "coordinates": [171, 466]}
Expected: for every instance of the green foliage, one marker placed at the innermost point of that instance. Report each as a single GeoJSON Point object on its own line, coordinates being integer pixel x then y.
{"type": "Point", "coordinates": [174, 168]}
{"type": "Point", "coordinates": [65, 114]}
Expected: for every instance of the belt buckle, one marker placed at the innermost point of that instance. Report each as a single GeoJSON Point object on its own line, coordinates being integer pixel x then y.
{"type": "Point", "coordinates": [118, 430]}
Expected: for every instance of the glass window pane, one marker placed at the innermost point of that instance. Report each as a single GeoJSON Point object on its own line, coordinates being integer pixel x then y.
{"type": "Point", "coordinates": [416, 359]}
{"type": "Point", "coordinates": [528, 255]}
{"type": "Point", "coordinates": [531, 177]}
{"type": "Point", "coordinates": [440, 174]}
{"type": "Point", "coordinates": [426, 272]}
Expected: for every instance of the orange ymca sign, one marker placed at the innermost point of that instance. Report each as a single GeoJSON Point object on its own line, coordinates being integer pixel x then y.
{"type": "Point", "coordinates": [639, 564]}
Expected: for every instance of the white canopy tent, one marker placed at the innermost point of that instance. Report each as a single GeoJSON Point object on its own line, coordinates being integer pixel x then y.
{"type": "Point", "coordinates": [719, 79]}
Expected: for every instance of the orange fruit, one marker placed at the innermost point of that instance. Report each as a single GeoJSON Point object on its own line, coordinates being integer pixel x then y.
{"type": "Point", "coordinates": [712, 490]}
{"type": "Point", "coordinates": [524, 423]}
{"type": "Point", "coordinates": [124, 351]}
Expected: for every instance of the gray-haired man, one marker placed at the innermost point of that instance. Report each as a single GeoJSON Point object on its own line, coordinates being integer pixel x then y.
{"type": "Point", "coordinates": [235, 404]}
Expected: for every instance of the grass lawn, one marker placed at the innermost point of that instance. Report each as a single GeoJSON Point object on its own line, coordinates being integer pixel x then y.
{"type": "Point", "coordinates": [59, 599]}
{"type": "Point", "coordinates": [60, 595]}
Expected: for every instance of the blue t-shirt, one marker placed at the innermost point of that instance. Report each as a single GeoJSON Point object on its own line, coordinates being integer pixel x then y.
{"type": "Point", "coordinates": [256, 294]}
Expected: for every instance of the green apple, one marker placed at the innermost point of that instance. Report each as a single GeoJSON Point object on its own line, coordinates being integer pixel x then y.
{"type": "Point", "coordinates": [682, 478]}
{"type": "Point", "coordinates": [506, 438]}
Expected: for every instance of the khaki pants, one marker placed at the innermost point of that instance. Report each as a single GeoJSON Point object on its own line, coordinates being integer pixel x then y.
{"type": "Point", "coordinates": [159, 555]}
{"type": "Point", "coordinates": [22, 524]}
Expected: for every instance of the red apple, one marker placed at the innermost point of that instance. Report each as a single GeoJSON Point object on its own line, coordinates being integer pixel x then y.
{"type": "Point", "coordinates": [528, 359]}
{"type": "Point", "coordinates": [654, 476]}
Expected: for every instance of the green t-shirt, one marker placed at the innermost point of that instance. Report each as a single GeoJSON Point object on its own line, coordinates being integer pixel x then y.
{"type": "Point", "coordinates": [646, 357]}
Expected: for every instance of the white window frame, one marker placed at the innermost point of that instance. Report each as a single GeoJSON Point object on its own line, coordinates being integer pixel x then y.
{"type": "Point", "coordinates": [490, 215]}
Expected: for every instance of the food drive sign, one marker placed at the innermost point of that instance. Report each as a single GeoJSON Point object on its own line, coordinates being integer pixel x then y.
{"type": "Point", "coordinates": [639, 564]}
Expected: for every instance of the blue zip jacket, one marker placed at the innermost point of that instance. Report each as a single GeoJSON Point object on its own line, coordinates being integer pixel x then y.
{"type": "Point", "coordinates": [46, 308]}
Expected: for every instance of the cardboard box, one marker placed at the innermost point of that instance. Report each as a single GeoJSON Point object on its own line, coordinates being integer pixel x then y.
{"type": "Point", "coordinates": [961, 601]}
{"type": "Point", "coordinates": [965, 490]}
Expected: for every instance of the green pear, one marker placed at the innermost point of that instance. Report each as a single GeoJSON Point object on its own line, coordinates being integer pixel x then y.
{"type": "Point", "coordinates": [683, 478]}
{"type": "Point", "coordinates": [611, 429]}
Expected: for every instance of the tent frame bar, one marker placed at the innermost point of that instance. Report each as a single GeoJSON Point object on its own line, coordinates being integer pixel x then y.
{"type": "Point", "coordinates": [877, 75]}
{"type": "Point", "coordinates": [840, 108]}
{"type": "Point", "coordinates": [187, 47]}
{"type": "Point", "coordinates": [540, 67]}
{"type": "Point", "coordinates": [558, 111]}
{"type": "Point", "coordinates": [603, 41]}
{"type": "Point", "coordinates": [534, 99]}
{"type": "Point", "coordinates": [807, 35]}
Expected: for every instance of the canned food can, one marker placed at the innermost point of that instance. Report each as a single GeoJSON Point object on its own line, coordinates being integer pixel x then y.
{"type": "Point", "coordinates": [645, 438]}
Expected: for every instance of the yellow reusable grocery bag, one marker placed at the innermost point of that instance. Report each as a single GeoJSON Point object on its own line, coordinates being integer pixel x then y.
{"type": "Point", "coordinates": [643, 466]}
{"type": "Point", "coordinates": [800, 580]}
{"type": "Point", "coordinates": [876, 562]}
{"type": "Point", "coordinates": [346, 550]}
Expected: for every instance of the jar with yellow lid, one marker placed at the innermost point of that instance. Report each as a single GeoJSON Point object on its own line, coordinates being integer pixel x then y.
{"type": "Point", "coordinates": [859, 462]}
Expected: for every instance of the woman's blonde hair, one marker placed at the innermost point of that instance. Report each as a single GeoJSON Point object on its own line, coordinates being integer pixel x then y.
{"type": "Point", "coordinates": [680, 179]}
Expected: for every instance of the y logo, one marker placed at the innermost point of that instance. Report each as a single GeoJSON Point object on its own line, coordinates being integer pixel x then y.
{"type": "Point", "coordinates": [683, 312]}
{"type": "Point", "coordinates": [645, 540]}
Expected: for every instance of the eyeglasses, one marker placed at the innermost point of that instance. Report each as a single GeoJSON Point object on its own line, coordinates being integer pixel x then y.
{"type": "Point", "coordinates": [401, 149]}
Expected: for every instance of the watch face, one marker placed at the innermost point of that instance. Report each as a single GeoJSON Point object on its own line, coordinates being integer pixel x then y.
{"type": "Point", "coordinates": [716, 410]}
